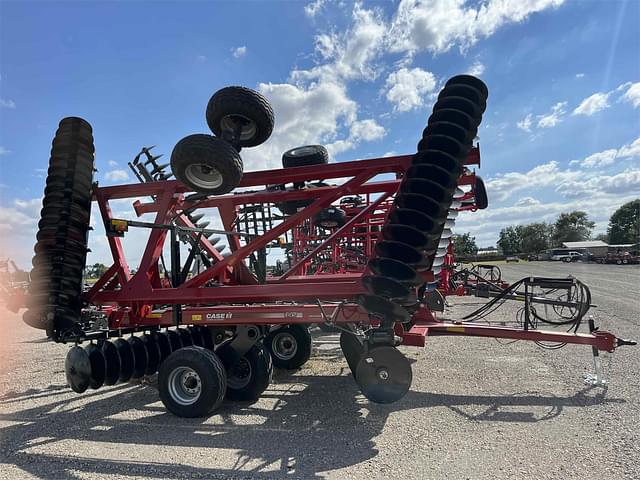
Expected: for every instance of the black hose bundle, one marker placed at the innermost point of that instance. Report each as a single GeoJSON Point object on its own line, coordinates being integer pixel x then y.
{"type": "Point", "coordinates": [412, 236]}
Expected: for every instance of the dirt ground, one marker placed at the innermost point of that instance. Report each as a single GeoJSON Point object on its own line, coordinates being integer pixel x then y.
{"type": "Point", "coordinates": [477, 409]}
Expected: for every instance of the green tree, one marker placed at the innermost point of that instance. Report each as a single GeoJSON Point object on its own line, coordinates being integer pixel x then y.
{"type": "Point", "coordinates": [510, 240]}
{"type": "Point", "coordinates": [536, 237]}
{"type": "Point", "coordinates": [572, 227]}
{"type": "Point", "coordinates": [624, 225]}
{"type": "Point", "coordinates": [96, 270]}
{"type": "Point", "coordinates": [603, 237]}
{"type": "Point", "coordinates": [464, 245]}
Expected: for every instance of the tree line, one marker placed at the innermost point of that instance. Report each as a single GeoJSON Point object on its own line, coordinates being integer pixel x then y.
{"type": "Point", "coordinates": [575, 226]}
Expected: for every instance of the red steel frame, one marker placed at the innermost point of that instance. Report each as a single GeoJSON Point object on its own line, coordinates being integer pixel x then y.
{"type": "Point", "coordinates": [228, 294]}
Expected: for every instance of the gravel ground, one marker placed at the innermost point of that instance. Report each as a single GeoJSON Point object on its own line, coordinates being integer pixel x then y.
{"type": "Point", "coordinates": [477, 409]}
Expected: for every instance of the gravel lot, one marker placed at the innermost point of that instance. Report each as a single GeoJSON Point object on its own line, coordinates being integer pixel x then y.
{"type": "Point", "coordinates": [477, 409]}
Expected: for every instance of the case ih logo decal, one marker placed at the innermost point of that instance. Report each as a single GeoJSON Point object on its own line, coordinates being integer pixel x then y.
{"type": "Point", "coordinates": [219, 316]}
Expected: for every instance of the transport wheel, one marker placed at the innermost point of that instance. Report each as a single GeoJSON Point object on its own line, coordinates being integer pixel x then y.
{"type": "Point", "coordinates": [192, 382]}
{"type": "Point", "coordinates": [206, 164]}
{"type": "Point", "coordinates": [234, 110]}
{"type": "Point", "coordinates": [482, 200]}
{"type": "Point", "coordinates": [329, 218]}
{"type": "Point", "coordinates": [383, 374]}
{"type": "Point", "coordinates": [306, 155]}
{"type": "Point", "coordinates": [352, 350]}
{"type": "Point", "coordinates": [77, 368]}
{"type": "Point", "coordinates": [250, 376]}
{"type": "Point", "coordinates": [290, 347]}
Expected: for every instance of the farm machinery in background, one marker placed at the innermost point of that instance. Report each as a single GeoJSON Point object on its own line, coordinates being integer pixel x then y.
{"type": "Point", "coordinates": [361, 246]}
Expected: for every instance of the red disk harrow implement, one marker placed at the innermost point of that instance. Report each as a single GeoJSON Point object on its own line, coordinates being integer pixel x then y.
{"type": "Point", "coordinates": [362, 247]}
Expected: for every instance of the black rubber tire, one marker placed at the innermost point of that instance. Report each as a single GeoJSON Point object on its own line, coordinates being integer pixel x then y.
{"type": "Point", "coordinates": [198, 151]}
{"type": "Point", "coordinates": [331, 217]}
{"type": "Point", "coordinates": [212, 376]}
{"type": "Point", "coordinates": [260, 365]}
{"type": "Point", "coordinates": [241, 102]}
{"type": "Point", "coordinates": [304, 156]}
{"type": "Point", "coordinates": [482, 200]}
{"type": "Point", "coordinates": [299, 355]}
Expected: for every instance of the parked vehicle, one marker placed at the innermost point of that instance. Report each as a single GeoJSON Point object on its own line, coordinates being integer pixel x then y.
{"type": "Point", "coordinates": [512, 259]}
{"type": "Point", "coordinates": [619, 259]}
{"type": "Point", "coordinates": [561, 256]}
{"type": "Point", "coordinates": [574, 258]}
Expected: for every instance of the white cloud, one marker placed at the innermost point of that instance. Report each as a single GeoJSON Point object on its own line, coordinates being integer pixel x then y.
{"type": "Point", "coordinates": [438, 25]}
{"type": "Point", "coordinates": [112, 163]}
{"type": "Point", "coordinates": [313, 8]}
{"type": "Point", "coordinates": [632, 95]}
{"type": "Point", "coordinates": [525, 123]}
{"type": "Point", "coordinates": [625, 182]}
{"type": "Point", "coordinates": [117, 175]}
{"type": "Point", "coordinates": [239, 51]}
{"type": "Point", "coordinates": [406, 88]}
{"type": "Point", "coordinates": [366, 130]}
{"type": "Point", "coordinates": [503, 185]}
{"type": "Point", "coordinates": [600, 159]}
{"type": "Point", "coordinates": [630, 150]}
{"type": "Point", "coordinates": [593, 104]}
{"type": "Point", "coordinates": [7, 103]}
{"type": "Point", "coordinates": [579, 75]}
{"type": "Point", "coordinates": [554, 117]}
{"type": "Point", "coordinates": [4, 151]}
{"type": "Point", "coordinates": [476, 69]}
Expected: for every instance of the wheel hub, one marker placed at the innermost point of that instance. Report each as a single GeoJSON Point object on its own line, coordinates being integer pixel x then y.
{"type": "Point", "coordinates": [203, 175]}
{"type": "Point", "coordinates": [239, 375]}
{"type": "Point", "coordinates": [185, 385]}
{"type": "Point", "coordinates": [235, 123]}
{"type": "Point", "coordinates": [284, 346]}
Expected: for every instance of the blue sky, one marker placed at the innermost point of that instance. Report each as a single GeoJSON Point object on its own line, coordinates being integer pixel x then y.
{"type": "Point", "coordinates": [558, 133]}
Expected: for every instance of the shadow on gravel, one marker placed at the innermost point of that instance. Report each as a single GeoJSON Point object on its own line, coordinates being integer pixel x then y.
{"type": "Point", "coordinates": [313, 424]}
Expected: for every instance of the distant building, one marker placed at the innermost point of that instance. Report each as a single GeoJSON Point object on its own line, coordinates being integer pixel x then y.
{"type": "Point", "coordinates": [594, 247]}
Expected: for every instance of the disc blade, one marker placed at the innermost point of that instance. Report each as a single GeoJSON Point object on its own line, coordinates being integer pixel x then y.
{"type": "Point", "coordinates": [77, 368]}
{"type": "Point", "coordinates": [98, 366]}
{"type": "Point", "coordinates": [112, 359]}
{"type": "Point", "coordinates": [384, 374]}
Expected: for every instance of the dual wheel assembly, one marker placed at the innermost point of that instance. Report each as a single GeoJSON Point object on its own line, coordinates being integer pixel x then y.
{"type": "Point", "coordinates": [195, 367]}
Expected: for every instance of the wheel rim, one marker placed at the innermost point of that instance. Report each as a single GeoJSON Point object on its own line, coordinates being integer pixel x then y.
{"type": "Point", "coordinates": [247, 126]}
{"type": "Point", "coordinates": [203, 176]}
{"type": "Point", "coordinates": [284, 346]}
{"type": "Point", "coordinates": [239, 375]}
{"type": "Point", "coordinates": [184, 385]}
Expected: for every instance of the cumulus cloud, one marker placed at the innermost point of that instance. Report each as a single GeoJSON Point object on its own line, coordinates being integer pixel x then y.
{"type": "Point", "coordinates": [554, 117]}
{"type": "Point", "coordinates": [476, 69]}
{"type": "Point", "coordinates": [593, 104]}
{"type": "Point", "coordinates": [600, 159]}
{"type": "Point", "coordinates": [406, 88]}
{"type": "Point", "coordinates": [7, 103]}
{"type": "Point", "coordinates": [630, 150]}
{"type": "Point", "coordinates": [117, 175]}
{"type": "Point", "coordinates": [438, 25]}
{"type": "Point", "coordinates": [632, 95]}
{"type": "Point", "coordinates": [238, 52]}
{"type": "Point", "coordinates": [504, 185]}
{"type": "Point", "coordinates": [608, 157]}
